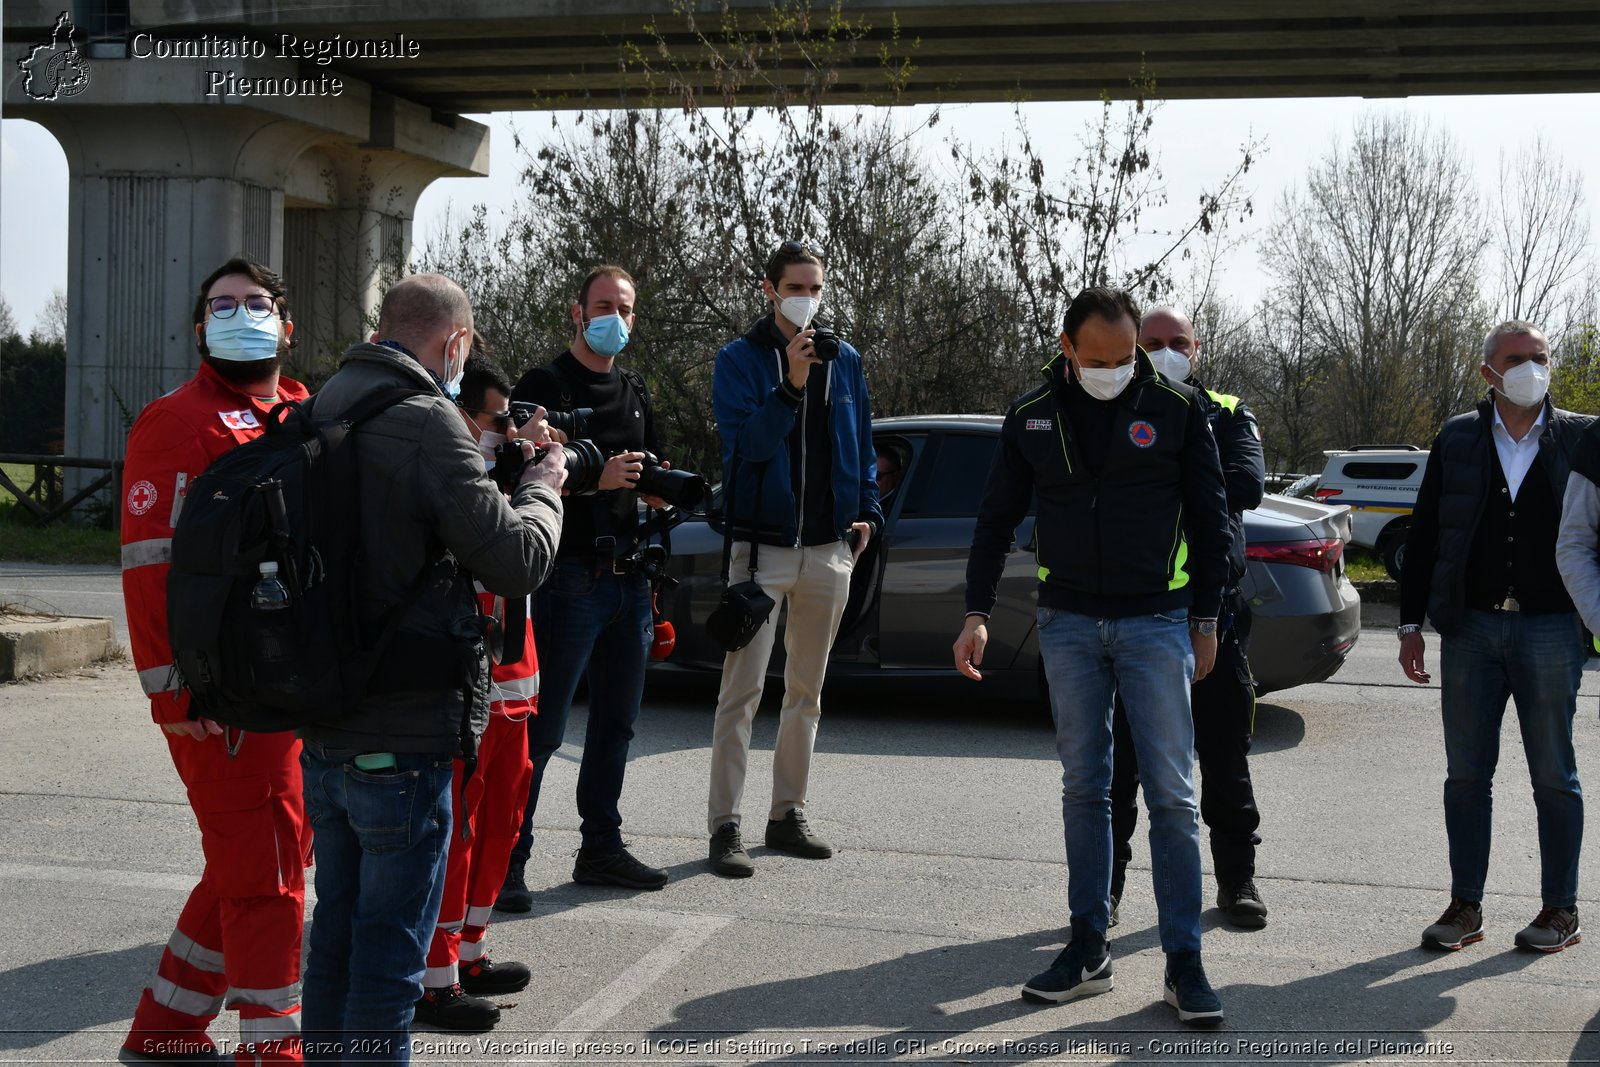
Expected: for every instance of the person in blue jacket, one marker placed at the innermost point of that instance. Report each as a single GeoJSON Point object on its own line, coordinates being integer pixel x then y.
{"type": "Point", "coordinates": [801, 493]}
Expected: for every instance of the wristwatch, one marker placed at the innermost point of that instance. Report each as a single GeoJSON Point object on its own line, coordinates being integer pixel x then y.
{"type": "Point", "coordinates": [1407, 630]}
{"type": "Point", "coordinates": [1204, 627]}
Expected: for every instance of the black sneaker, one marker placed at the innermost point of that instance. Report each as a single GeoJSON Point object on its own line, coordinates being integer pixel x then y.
{"type": "Point", "coordinates": [1242, 905]}
{"type": "Point", "coordinates": [728, 857]}
{"type": "Point", "coordinates": [1082, 969]}
{"type": "Point", "coordinates": [616, 868]}
{"type": "Point", "coordinates": [515, 896]}
{"type": "Point", "coordinates": [448, 1008]}
{"type": "Point", "coordinates": [793, 835]}
{"type": "Point", "coordinates": [1187, 990]}
{"type": "Point", "coordinates": [486, 978]}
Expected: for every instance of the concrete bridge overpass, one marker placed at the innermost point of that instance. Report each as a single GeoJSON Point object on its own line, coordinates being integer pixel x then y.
{"type": "Point", "coordinates": [302, 133]}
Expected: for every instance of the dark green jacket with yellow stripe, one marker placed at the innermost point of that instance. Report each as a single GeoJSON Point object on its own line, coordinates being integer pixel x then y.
{"type": "Point", "coordinates": [1148, 534]}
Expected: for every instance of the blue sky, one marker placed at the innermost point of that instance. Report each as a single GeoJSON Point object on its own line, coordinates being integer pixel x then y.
{"type": "Point", "coordinates": [1195, 141]}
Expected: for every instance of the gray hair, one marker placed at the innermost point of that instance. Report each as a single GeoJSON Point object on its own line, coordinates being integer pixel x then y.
{"type": "Point", "coordinates": [1509, 328]}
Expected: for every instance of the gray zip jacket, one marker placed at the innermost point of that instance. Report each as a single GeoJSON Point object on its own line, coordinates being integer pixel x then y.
{"type": "Point", "coordinates": [427, 504]}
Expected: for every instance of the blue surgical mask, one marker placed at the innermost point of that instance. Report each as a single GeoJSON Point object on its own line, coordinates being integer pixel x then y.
{"type": "Point", "coordinates": [242, 339]}
{"type": "Point", "coordinates": [606, 335]}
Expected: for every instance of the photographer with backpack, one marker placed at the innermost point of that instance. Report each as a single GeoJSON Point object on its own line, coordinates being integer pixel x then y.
{"type": "Point", "coordinates": [378, 779]}
{"type": "Point", "coordinates": [239, 932]}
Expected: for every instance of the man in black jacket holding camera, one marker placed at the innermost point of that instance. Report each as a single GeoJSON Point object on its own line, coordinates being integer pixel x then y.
{"type": "Point", "coordinates": [594, 614]}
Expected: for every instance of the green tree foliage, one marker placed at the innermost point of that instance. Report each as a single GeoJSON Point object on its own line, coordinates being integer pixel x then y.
{"type": "Point", "coordinates": [33, 383]}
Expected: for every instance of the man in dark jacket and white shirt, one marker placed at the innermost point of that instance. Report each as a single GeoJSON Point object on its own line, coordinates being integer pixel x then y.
{"type": "Point", "coordinates": [1480, 562]}
{"type": "Point", "coordinates": [377, 782]}
{"type": "Point", "coordinates": [1132, 542]}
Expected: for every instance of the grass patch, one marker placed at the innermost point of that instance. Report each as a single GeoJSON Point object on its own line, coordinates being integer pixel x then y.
{"type": "Point", "coordinates": [1363, 566]}
{"type": "Point", "coordinates": [21, 474]}
{"type": "Point", "coordinates": [21, 539]}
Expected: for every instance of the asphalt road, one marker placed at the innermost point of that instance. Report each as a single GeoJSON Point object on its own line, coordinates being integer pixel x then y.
{"type": "Point", "coordinates": [947, 891]}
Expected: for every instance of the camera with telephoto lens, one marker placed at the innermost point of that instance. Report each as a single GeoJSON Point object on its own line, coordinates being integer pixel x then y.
{"type": "Point", "coordinates": [824, 342]}
{"type": "Point", "coordinates": [582, 458]}
{"type": "Point", "coordinates": [681, 489]}
{"type": "Point", "coordinates": [574, 424]}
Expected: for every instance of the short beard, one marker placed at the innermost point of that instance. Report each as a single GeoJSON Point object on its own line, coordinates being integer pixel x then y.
{"type": "Point", "coordinates": [242, 374]}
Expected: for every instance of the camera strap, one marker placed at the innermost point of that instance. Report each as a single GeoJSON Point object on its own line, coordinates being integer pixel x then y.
{"type": "Point", "coordinates": [599, 507]}
{"type": "Point", "coordinates": [727, 529]}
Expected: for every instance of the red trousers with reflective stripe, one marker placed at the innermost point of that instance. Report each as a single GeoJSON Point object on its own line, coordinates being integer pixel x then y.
{"type": "Point", "coordinates": [237, 940]}
{"type": "Point", "coordinates": [492, 807]}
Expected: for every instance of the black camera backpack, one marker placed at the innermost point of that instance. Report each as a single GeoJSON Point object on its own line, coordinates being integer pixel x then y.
{"type": "Point", "coordinates": [291, 496]}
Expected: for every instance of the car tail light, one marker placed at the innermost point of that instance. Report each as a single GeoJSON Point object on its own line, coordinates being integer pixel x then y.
{"type": "Point", "coordinates": [1315, 553]}
{"type": "Point", "coordinates": [1327, 494]}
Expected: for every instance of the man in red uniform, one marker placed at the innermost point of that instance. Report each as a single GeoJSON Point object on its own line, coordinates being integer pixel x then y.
{"type": "Point", "coordinates": [237, 941]}
{"type": "Point", "coordinates": [490, 803]}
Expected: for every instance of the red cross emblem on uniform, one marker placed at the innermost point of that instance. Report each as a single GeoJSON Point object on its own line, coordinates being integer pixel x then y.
{"type": "Point", "coordinates": [141, 497]}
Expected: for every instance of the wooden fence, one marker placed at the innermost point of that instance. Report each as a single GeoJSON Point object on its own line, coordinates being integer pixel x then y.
{"type": "Point", "coordinates": [42, 499]}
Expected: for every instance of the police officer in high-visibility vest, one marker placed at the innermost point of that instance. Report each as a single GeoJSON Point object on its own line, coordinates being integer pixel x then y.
{"type": "Point", "coordinates": [1224, 702]}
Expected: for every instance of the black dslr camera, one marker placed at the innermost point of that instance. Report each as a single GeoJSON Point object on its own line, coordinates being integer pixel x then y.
{"type": "Point", "coordinates": [582, 459]}
{"type": "Point", "coordinates": [574, 424]}
{"type": "Point", "coordinates": [824, 342]}
{"type": "Point", "coordinates": [681, 489]}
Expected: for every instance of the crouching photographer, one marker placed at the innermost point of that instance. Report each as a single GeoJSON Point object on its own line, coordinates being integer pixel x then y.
{"type": "Point", "coordinates": [594, 614]}
{"type": "Point", "coordinates": [488, 798]}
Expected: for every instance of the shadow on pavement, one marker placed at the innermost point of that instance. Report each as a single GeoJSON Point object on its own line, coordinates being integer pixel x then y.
{"type": "Point", "coordinates": [74, 993]}
{"type": "Point", "coordinates": [860, 719]}
{"type": "Point", "coordinates": [1587, 1049]}
{"type": "Point", "coordinates": [1277, 729]}
{"type": "Point", "coordinates": [921, 996]}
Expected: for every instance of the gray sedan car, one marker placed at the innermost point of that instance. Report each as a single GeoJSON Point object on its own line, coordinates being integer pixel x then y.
{"type": "Point", "coordinates": [906, 600]}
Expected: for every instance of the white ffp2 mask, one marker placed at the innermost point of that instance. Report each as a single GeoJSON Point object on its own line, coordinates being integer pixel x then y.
{"type": "Point", "coordinates": [1105, 383]}
{"type": "Point", "coordinates": [1525, 384]}
{"type": "Point", "coordinates": [1172, 363]}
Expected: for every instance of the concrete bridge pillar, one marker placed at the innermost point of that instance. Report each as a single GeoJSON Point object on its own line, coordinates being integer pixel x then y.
{"type": "Point", "coordinates": [166, 184]}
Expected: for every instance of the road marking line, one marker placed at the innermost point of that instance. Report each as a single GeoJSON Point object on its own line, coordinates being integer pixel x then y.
{"type": "Point", "coordinates": [64, 874]}
{"type": "Point", "coordinates": [180, 883]}
{"type": "Point", "coordinates": [689, 932]}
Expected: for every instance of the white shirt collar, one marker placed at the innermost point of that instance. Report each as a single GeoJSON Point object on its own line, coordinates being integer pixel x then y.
{"type": "Point", "coordinates": [1533, 432]}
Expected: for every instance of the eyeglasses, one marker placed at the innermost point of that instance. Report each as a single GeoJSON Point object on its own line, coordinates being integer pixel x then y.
{"type": "Point", "coordinates": [502, 419]}
{"type": "Point", "coordinates": [256, 306]}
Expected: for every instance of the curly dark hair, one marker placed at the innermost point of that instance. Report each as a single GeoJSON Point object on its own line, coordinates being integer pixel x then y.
{"type": "Point", "coordinates": [265, 277]}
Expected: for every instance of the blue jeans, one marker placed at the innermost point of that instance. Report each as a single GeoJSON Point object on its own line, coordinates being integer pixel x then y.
{"type": "Point", "coordinates": [1537, 660]}
{"type": "Point", "coordinates": [381, 842]}
{"type": "Point", "coordinates": [599, 623]}
{"type": "Point", "coordinates": [1148, 659]}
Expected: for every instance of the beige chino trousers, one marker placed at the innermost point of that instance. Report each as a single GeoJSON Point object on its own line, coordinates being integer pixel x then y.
{"type": "Point", "coordinates": [815, 583]}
